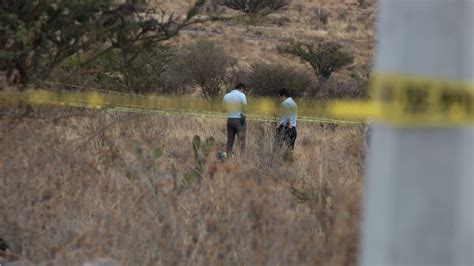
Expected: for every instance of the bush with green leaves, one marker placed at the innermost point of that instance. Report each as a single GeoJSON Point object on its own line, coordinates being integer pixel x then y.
{"type": "Point", "coordinates": [204, 64]}
{"type": "Point", "coordinates": [143, 74]}
{"type": "Point", "coordinates": [37, 36]}
{"type": "Point", "coordinates": [325, 57]}
{"type": "Point", "coordinates": [268, 79]}
{"type": "Point", "coordinates": [113, 71]}
{"type": "Point", "coordinates": [255, 7]}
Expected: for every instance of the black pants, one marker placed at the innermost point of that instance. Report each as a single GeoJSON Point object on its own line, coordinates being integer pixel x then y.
{"type": "Point", "coordinates": [235, 126]}
{"type": "Point", "coordinates": [285, 138]}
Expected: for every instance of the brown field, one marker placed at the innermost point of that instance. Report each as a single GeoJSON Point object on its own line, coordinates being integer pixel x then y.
{"type": "Point", "coordinates": [85, 184]}
{"type": "Point", "coordinates": [78, 185]}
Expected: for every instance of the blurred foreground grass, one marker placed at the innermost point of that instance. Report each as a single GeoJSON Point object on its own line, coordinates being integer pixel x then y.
{"type": "Point", "coordinates": [83, 184]}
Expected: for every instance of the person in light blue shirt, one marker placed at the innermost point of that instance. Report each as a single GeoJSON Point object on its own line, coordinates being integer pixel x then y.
{"type": "Point", "coordinates": [234, 104]}
{"type": "Point", "coordinates": [288, 111]}
{"type": "Point", "coordinates": [286, 131]}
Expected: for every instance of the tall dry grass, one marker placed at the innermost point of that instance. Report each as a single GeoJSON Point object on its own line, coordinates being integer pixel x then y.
{"type": "Point", "coordinates": [83, 184]}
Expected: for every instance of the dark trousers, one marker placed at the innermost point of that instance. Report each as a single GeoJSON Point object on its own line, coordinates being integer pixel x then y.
{"type": "Point", "coordinates": [285, 138]}
{"type": "Point", "coordinates": [235, 126]}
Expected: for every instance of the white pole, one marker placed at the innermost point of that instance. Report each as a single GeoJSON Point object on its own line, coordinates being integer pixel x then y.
{"type": "Point", "coordinates": [419, 203]}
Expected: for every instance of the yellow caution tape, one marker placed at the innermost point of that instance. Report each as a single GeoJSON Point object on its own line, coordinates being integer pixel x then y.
{"type": "Point", "coordinates": [414, 101]}
{"type": "Point", "coordinates": [262, 109]}
{"type": "Point", "coordinates": [396, 99]}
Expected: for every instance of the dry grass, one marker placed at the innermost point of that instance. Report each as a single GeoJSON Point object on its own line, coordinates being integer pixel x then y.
{"type": "Point", "coordinates": [84, 184]}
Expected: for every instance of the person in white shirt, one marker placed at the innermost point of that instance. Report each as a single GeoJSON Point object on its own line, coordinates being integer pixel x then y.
{"type": "Point", "coordinates": [286, 130]}
{"type": "Point", "coordinates": [234, 104]}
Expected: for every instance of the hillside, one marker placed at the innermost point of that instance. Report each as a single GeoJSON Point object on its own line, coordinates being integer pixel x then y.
{"type": "Point", "coordinates": [257, 41]}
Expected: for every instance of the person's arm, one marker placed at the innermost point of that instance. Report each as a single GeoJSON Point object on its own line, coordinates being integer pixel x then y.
{"type": "Point", "coordinates": [281, 114]}
{"type": "Point", "coordinates": [293, 113]}
{"type": "Point", "coordinates": [244, 104]}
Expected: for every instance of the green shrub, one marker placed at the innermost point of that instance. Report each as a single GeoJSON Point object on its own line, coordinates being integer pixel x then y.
{"type": "Point", "coordinates": [141, 74]}
{"type": "Point", "coordinates": [325, 57]}
{"type": "Point", "coordinates": [37, 36]}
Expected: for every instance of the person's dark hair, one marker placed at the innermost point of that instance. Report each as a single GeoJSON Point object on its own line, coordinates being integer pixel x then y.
{"type": "Point", "coordinates": [240, 86]}
{"type": "Point", "coordinates": [284, 92]}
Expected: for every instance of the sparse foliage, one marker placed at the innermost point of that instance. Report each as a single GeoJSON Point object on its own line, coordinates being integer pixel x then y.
{"type": "Point", "coordinates": [204, 64]}
{"type": "Point", "coordinates": [325, 57]}
{"type": "Point", "coordinates": [268, 79]}
{"type": "Point", "coordinates": [255, 7]}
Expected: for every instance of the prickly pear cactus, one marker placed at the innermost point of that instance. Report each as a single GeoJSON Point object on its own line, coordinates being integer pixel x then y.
{"type": "Point", "coordinates": [209, 144]}
{"type": "Point", "coordinates": [196, 146]}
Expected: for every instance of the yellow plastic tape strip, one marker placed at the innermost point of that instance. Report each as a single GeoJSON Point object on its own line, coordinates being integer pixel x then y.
{"type": "Point", "coordinates": [400, 100]}
{"type": "Point", "coordinates": [414, 101]}
{"type": "Point", "coordinates": [263, 109]}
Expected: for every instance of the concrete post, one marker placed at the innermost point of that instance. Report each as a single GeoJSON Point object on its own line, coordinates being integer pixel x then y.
{"type": "Point", "coordinates": [419, 203]}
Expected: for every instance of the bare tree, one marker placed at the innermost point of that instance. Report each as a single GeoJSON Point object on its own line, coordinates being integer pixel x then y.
{"type": "Point", "coordinates": [205, 64]}
{"type": "Point", "coordinates": [268, 79]}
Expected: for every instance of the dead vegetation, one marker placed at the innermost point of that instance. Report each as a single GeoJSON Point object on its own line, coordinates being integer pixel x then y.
{"type": "Point", "coordinates": [85, 184]}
